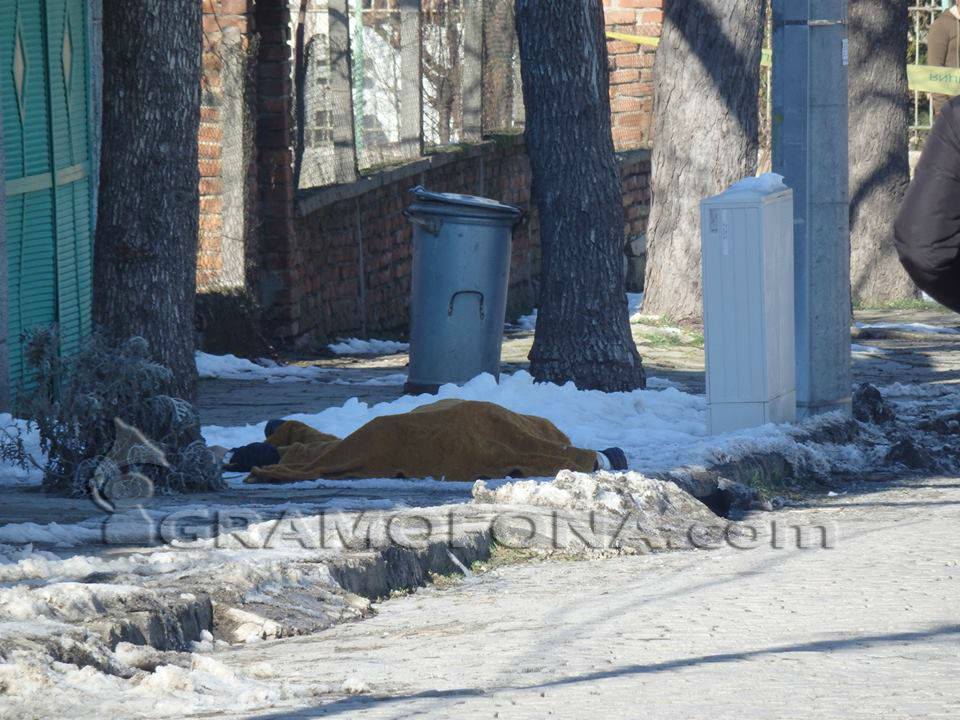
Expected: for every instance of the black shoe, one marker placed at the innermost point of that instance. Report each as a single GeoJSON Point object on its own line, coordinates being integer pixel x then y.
{"type": "Point", "coordinates": [617, 458]}
{"type": "Point", "coordinates": [272, 426]}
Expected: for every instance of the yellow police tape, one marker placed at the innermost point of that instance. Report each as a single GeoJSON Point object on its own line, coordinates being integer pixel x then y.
{"type": "Point", "coordinates": [922, 78]}
{"type": "Point", "coordinates": [766, 58]}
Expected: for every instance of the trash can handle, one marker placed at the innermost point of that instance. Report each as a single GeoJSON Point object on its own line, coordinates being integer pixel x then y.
{"type": "Point", "coordinates": [431, 226]}
{"type": "Point", "coordinates": [453, 299]}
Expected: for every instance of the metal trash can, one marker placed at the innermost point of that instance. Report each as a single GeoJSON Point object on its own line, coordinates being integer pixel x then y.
{"type": "Point", "coordinates": [461, 271]}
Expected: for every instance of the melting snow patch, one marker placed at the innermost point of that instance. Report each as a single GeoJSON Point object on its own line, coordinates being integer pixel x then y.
{"type": "Point", "coordinates": [49, 534]}
{"type": "Point", "coordinates": [906, 390]}
{"type": "Point", "coordinates": [527, 322]}
{"type": "Point", "coordinates": [11, 474]}
{"type": "Point", "coordinates": [909, 327]}
{"type": "Point", "coordinates": [867, 349]}
{"type": "Point", "coordinates": [230, 367]}
{"type": "Point", "coordinates": [354, 686]}
{"type": "Point", "coordinates": [356, 346]}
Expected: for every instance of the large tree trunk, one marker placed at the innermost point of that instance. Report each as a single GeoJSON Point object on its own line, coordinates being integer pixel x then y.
{"type": "Point", "coordinates": [583, 332]}
{"type": "Point", "coordinates": [705, 105]}
{"type": "Point", "coordinates": [879, 159]}
{"type": "Point", "coordinates": [145, 256]}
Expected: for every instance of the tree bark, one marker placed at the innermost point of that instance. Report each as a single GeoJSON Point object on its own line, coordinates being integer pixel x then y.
{"type": "Point", "coordinates": [705, 106]}
{"type": "Point", "coordinates": [145, 257]}
{"type": "Point", "coordinates": [583, 332]}
{"type": "Point", "coordinates": [498, 48]}
{"type": "Point", "coordinates": [879, 157]}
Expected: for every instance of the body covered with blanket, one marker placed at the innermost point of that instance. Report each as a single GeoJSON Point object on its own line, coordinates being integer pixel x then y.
{"type": "Point", "coordinates": [449, 439]}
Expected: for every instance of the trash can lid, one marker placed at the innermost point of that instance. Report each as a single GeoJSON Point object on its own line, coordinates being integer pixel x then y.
{"type": "Point", "coordinates": [467, 201]}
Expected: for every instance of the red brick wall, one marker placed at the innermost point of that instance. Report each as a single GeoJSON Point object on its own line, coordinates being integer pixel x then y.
{"type": "Point", "coordinates": [343, 292]}
{"type": "Point", "coordinates": [635, 186]}
{"type": "Point", "coordinates": [631, 70]}
{"type": "Point", "coordinates": [279, 291]}
{"type": "Point", "coordinates": [312, 281]}
{"type": "Point", "coordinates": [220, 18]}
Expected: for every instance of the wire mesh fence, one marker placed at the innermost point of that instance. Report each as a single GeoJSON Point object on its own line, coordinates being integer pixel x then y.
{"type": "Point", "coordinates": [378, 88]}
{"type": "Point", "coordinates": [923, 13]}
{"type": "Point", "coordinates": [226, 141]}
{"type": "Point", "coordinates": [442, 67]}
{"type": "Point", "coordinates": [378, 82]}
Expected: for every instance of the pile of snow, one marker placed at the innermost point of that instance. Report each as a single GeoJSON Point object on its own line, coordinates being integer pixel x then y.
{"type": "Point", "coordinates": [357, 346]}
{"type": "Point", "coordinates": [597, 512]}
{"type": "Point", "coordinates": [36, 684]}
{"type": "Point", "coordinates": [609, 491]}
{"type": "Point", "coordinates": [763, 184]}
{"type": "Point", "coordinates": [921, 328]}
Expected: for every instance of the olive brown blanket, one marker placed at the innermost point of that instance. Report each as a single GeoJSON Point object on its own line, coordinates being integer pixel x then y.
{"type": "Point", "coordinates": [449, 439]}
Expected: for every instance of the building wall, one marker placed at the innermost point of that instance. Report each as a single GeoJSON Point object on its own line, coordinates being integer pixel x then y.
{"type": "Point", "coordinates": [631, 69]}
{"type": "Point", "coordinates": [342, 265]}
{"type": "Point", "coordinates": [353, 249]}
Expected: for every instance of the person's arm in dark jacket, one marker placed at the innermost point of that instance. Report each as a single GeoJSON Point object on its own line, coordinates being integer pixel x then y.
{"type": "Point", "coordinates": [927, 229]}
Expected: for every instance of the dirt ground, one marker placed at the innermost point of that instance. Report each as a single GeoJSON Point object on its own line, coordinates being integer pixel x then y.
{"type": "Point", "coordinates": [667, 355]}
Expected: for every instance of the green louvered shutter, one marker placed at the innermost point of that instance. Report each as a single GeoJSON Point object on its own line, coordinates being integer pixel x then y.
{"type": "Point", "coordinates": [43, 90]}
{"type": "Point", "coordinates": [31, 293]}
{"type": "Point", "coordinates": [66, 62]}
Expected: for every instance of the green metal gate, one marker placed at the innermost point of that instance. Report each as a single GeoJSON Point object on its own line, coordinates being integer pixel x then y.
{"type": "Point", "coordinates": [44, 91]}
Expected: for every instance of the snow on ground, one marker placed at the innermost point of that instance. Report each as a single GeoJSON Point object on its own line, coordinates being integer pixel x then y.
{"type": "Point", "coordinates": [53, 667]}
{"type": "Point", "coordinates": [371, 485]}
{"type": "Point", "coordinates": [657, 429]}
{"type": "Point", "coordinates": [921, 328]}
{"type": "Point", "coordinates": [9, 473]}
{"type": "Point", "coordinates": [53, 533]}
{"type": "Point", "coordinates": [867, 349]}
{"type": "Point", "coordinates": [634, 303]}
{"type": "Point", "coordinates": [357, 346]}
{"type": "Point", "coordinates": [527, 322]}
{"type": "Point", "coordinates": [908, 390]}
{"type": "Point", "coordinates": [230, 367]}
{"type": "Point", "coordinates": [47, 594]}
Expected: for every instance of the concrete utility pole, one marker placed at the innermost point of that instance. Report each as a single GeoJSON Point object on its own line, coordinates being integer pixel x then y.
{"type": "Point", "coordinates": [810, 151]}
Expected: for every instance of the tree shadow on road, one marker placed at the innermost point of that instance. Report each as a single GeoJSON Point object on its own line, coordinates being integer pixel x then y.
{"type": "Point", "coordinates": [841, 644]}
